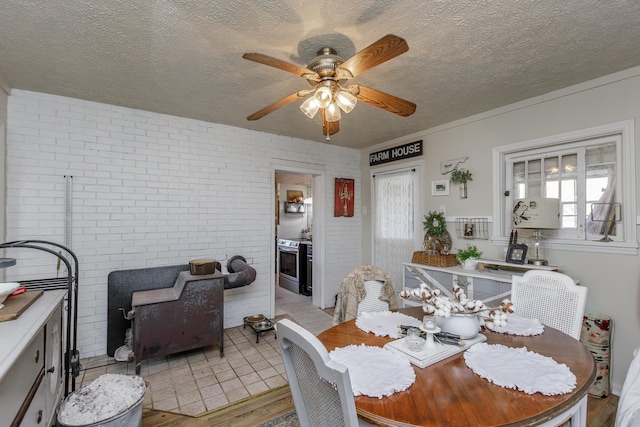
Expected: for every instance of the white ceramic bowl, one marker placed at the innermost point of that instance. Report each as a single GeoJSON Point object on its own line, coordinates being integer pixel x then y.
{"type": "Point", "coordinates": [465, 325]}
{"type": "Point", "coordinates": [7, 289]}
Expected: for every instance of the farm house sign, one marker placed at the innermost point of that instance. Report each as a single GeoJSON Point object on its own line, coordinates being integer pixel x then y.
{"type": "Point", "coordinates": [405, 151]}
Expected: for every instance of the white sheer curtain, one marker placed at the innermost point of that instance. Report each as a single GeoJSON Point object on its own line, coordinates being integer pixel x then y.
{"type": "Point", "coordinates": [394, 233]}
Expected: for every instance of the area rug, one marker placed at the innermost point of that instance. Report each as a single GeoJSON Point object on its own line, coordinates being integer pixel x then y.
{"type": "Point", "coordinates": [290, 419]}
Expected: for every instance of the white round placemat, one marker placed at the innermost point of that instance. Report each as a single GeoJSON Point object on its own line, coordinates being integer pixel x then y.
{"type": "Point", "coordinates": [385, 323]}
{"type": "Point", "coordinates": [375, 371]}
{"type": "Point", "coordinates": [518, 325]}
{"type": "Point", "coordinates": [520, 369]}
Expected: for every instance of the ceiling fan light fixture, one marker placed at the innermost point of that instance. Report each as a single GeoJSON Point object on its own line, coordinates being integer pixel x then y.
{"type": "Point", "coordinates": [324, 96]}
{"type": "Point", "coordinates": [327, 72]}
{"type": "Point", "coordinates": [332, 113]}
{"type": "Point", "coordinates": [346, 101]}
{"type": "Point", "coordinates": [310, 107]}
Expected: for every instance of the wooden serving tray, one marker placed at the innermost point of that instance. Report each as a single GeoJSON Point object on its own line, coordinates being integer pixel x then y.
{"type": "Point", "coordinates": [16, 305]}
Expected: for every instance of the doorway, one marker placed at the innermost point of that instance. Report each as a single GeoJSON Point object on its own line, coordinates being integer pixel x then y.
{"type": "Point", "coordinates": [396, 220]}
{"type": "Point", "coordinates": [298, 222]}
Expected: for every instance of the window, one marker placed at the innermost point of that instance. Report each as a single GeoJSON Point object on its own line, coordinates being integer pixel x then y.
{"type": "Point", "coordinates": [590, 171]}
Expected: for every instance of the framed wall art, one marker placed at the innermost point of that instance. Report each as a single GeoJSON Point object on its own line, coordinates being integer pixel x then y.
{"type": "Point", "coordinates": [517, 253]}
{"type": "Point", "coordinates": [296, 196]}
{"type": "Point", "coordinates": [344, 197]}
{"type": "Point", "coordinates": [440, 188]}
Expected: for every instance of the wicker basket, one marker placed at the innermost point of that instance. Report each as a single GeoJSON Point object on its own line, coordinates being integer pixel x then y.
{"type": "Point", "coordinates": [420, 257]}
{"type": "Point", "coordinates": [436, 260]}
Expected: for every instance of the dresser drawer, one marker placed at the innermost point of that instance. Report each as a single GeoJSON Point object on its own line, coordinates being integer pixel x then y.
{"type": "Point", "coordinates": [36, 413]}
{"type": "Point", "coordinates": [21, 377]}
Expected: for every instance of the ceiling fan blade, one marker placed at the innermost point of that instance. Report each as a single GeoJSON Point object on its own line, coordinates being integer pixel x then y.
{"type": "Point", "coordinates": [278, 104]}
{"type": "Point", "coordinates": [329, 128]}
{"type": "Point", "coordinates": [381, 51]}
{"type": "Point", "coordinates": [387, 102]}
{"type": "Point", "coordinates": [282, 65]}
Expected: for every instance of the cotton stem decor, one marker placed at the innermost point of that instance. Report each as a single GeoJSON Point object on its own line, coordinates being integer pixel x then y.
{"type": "Point", "coordinates": [434, 303]}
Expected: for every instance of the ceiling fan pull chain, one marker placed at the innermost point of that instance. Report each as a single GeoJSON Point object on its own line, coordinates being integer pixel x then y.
{"type": "Point", "coordinates": [327, 126]}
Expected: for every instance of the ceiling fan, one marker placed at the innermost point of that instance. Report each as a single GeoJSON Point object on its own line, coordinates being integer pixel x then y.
{"type": "Point", "coordinates": [328, 73]}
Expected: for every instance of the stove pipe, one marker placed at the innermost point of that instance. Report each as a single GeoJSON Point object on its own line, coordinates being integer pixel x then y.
{"type": "Point", "coordinates": [240, 273]}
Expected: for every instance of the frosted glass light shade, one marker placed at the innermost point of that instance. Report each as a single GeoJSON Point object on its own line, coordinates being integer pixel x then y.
{"type": "Point", "coordinates": [346, 101]}
{"type": "Point", "coordinates": [332, 113]}
{"type": "Point", "coordinates": [536, 213]}
{"type": "Point", "coordinates": [310, 107]}
{"type": "Point", "coordinates": [323, 95]}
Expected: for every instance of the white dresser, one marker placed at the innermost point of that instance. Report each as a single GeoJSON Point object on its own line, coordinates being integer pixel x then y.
{"type": "Point", "coordinates": [31, 362]}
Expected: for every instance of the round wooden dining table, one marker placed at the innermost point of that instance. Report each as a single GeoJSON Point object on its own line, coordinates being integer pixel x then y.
{"type": "Point", "coordinates": [448, 393]}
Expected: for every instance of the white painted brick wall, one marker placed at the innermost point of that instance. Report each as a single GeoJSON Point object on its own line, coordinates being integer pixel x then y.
{"type": "Point", "coordinates": [152, 190]}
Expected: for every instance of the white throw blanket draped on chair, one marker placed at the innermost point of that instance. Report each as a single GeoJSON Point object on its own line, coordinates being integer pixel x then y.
{"type": "Point", "coordinates": [629, 405]}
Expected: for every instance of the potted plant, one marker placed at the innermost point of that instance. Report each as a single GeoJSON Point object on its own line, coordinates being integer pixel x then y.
{"type": "Point", "coordinates": [468, 257]}
{"type": "Point", "coordinates": [461, 176]}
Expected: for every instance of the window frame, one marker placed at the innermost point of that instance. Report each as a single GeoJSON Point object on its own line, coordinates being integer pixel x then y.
{"type": "Point", "coordinates": [625, 167]}
{"type": "Point", "coordinates": [579, 149]}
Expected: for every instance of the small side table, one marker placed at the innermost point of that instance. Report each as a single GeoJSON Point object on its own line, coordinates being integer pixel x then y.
{"type": "Point", "coordinates": [259, 323]}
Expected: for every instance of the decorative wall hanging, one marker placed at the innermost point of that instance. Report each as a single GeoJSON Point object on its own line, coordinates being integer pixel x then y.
{"type": "Point", "coordinates": [461, 176]}
{"type": "Point", "coordinates": [439, 188]}
{"type": "Point", "coordinates": [344, 197]}
{"type": "Point", "coordinates": [295, 196]}
{"type": "Point", "coordinates": [399, 152]}
{"type": "Point", "coordinates": [472, 228]}
{"type": "Point", "coordinates": [449, 165]}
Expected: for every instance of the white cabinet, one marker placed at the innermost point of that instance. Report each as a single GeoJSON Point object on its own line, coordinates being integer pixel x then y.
{"type": "Point", "coordinates": [31, 362]}
{"type": "Point", "coordinates": [488, 287]}
{"type": "Point", "coordinates": [491, 285]}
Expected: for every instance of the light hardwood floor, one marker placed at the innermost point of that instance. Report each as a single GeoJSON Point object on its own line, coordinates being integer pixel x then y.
{"type": "Point", "coordinates": [244, 414]}
{"type": "Point", "coordinates": [601, 412]}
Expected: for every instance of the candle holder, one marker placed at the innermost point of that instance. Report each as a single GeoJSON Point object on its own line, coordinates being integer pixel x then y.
{"type": "Point", "coordinates": [413, 339]}
{"type": "Point", "coordinates": [430, 328]}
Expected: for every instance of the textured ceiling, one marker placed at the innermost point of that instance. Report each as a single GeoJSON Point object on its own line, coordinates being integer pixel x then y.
{"type": "Point", "coordinates": [185, 57]}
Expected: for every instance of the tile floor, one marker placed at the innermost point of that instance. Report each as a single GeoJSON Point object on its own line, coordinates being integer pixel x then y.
{"type": "Point", "coordinates": [199, 381]}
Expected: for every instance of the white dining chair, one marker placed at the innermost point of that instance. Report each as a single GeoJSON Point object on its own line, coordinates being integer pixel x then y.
{"type": "Point", "coordinates": [628, 414]}
{"type": "Point", "coordinates": [320, 387]}
{"type": "Point", "coordinates": [371, 301]}
{"type": "Point", "coordinates": [551, 297]}
{"type": "Point", "coordinates": [364, 288]}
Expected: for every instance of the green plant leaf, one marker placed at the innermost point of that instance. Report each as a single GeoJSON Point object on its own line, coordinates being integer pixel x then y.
{"type": "Point", "coordinates": [460, 176]}
{"type": "Point", "coordinates": [435, 224]}
{"type": "Point", "coordinates": [470, 252]}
